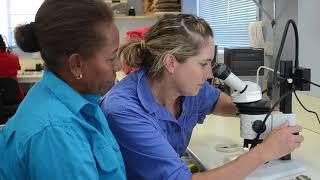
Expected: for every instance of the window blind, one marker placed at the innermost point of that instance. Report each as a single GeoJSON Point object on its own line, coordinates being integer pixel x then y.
{"type": "Point", "coordinates": [229, 20]}
{"type": "Point", "coordinates": [20, 12]}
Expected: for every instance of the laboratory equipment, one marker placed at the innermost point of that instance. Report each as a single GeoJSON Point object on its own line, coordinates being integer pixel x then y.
{"type": "Point", "coordinates": [256, 121]}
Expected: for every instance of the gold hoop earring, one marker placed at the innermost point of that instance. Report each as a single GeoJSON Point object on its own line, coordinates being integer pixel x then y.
{"type": "Point", "coordinates": [79, 76]}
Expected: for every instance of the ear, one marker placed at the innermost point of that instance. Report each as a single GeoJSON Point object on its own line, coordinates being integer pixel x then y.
{"type": "Point", "coordinates": [170, 63]}
{"type": "Point", "coordinates": [75, 65]}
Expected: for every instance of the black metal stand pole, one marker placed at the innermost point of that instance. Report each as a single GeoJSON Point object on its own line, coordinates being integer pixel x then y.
{"type": "Point", "coordinates": [286, 104]}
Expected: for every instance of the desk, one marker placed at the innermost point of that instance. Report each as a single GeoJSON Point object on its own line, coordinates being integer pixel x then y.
{"type": "Point", "coordinates": [221, 130]}
{"type": "Point", "coordinates": [34, 76]}
{"type": "Point", "coordinates": [29, 77]}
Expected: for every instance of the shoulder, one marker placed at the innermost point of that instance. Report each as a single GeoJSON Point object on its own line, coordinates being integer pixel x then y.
{"type": "Point", "coordinates": [38, 111]}
{"type": "Point", "coordinates": [43, 102]}
{"type": "Point", "coordinates": [20, 137]}
{"type": "Point", "coordinates": [122, 95]}
{"type": "Point", "coordinates": [208, 91]}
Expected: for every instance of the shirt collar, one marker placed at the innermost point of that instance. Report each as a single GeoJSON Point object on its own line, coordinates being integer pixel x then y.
{"type": "Point", "coordinates": [146, 98]}
{"type": "Point", "coordinates": [67, 95]}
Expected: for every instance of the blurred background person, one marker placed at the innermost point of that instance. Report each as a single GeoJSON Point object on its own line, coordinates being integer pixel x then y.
{"type": "Point", "coordinates": [9, 65]}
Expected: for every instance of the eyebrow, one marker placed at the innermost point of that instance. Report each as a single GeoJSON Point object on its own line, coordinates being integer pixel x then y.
{"type": "Point", "coordinates": [207, 60]}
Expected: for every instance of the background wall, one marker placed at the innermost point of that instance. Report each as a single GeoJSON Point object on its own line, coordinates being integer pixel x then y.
{"type": "Point", "coordinates": [309, 29]}
{"type": "Point", "coordinates": [127, 23]}
{"type": "Point", "coordinates": [138, 5]}
{"type": "Point", "coordinates": [3, 18]}
{"type": "Point", "coordinates": [29, 61]}
{"type": "Point", "coordinates": [305, 14]}
{"type": "Point", "coordinates": [285, 10]}
{"type": "Point", "coordinates": [189, 6]}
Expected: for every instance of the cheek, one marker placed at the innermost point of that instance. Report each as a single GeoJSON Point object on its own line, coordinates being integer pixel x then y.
{"type": "Point", "coordinates": [108, 72]}
{"type": "Point", "coordinates": [100, 72]}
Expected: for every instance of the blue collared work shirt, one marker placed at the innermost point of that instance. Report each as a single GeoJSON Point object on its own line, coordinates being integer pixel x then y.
{"type": "Point", "coordinates": [151, 139]}
{"type": "Point", "coordinates": [58, 134]}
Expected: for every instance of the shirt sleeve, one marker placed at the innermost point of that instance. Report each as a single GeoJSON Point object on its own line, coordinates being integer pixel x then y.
{"type": "Point", "coordinates": [208, 98]}
{"type": "Point", "coordinates": [58, 153]}
{"type": "Point", "coordinates": [147, 153]}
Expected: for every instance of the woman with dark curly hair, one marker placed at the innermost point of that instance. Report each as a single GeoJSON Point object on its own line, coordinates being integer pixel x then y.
{"type": "Point", "coordinates": [59, 131]}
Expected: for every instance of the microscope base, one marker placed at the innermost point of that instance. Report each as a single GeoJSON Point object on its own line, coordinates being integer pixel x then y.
{"type": "Point", "coordinates": [274, 170]}
{"type": "Point", "coordinates": [277, 169]}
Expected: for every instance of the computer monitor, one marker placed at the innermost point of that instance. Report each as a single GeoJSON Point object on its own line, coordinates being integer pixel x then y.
{"type": "Point", "coordinates": [244, 61]}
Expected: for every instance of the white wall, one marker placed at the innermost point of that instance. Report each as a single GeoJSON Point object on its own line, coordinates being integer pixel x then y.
{"type": "Point", "coordinates": [189, 6]}
{"type": "Point", "coordinates": [123, 23]}
{"type": "Point", "coordinates": [309, 29]}
{"type": "Point", "coordinates": [285, 10]}
{"type": "Point", "coordinates": [3, 18]}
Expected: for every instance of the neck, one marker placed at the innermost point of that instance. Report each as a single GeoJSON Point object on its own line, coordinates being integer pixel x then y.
{"type": "Point", "coordinates": [166, 94]}
{"type": "Point", "coordinates": [67, 77]}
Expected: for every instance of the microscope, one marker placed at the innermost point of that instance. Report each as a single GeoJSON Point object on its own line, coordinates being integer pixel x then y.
{"type": "Point", "coordinates": [252, 107]}
{"type": "Point", "coordinates": [257, 117]}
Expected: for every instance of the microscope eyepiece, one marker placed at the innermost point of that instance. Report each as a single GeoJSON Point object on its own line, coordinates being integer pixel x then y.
{"type": "Point", "coordinates": [221, 71]}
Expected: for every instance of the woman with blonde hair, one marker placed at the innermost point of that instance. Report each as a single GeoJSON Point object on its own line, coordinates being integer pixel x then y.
{"type": "Point", "coordinates": [153, 111]}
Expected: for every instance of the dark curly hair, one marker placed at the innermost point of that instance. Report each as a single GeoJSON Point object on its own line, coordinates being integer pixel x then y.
{"type": "Point", "coordinates": [63, 27]}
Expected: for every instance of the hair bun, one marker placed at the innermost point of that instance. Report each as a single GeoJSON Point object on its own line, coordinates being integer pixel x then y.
{"type": "Point", "coordinates": [26, 39]}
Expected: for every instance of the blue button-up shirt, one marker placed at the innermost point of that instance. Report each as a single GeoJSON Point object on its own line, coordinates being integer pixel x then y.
{"type": "Point", "coordinates": [151, 139]}
{"type": "Point", "coordinates": [58, 134]}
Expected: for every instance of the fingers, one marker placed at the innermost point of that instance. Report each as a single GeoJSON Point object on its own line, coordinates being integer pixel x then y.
{"type": "Point", "coordinates": [285, 124]}
{"type": "Point", "coordinates": [292, 139]}
{"type": "Point", "coordinates": [296, 141]}
{"type": "Point", "coordinates": [292, 129]}
{"type": "Point", "coordinates": [299, 139]}
{"type": "Point", "coordinates": [295, 129]}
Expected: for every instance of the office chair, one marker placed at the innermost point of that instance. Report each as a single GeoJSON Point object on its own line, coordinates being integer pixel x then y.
{"type": "Point", "coordinates": [9, 98]}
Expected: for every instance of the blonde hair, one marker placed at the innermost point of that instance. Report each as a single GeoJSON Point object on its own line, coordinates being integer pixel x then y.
{"type": "Point", "coordinates": [180, 35]}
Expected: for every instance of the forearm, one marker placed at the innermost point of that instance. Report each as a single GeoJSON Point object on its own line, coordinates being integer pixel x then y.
{"type": "Point", "coordinates": [225, 106]}
{"type": "Point", "coordinates": [236, 169]}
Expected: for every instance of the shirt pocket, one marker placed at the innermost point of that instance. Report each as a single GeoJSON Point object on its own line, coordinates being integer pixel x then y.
{"type": "Point", "coordinates": [107, 162]}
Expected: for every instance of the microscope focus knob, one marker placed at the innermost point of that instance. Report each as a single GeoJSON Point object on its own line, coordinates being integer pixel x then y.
{"type": "Point", "coordinates": [256, 126]}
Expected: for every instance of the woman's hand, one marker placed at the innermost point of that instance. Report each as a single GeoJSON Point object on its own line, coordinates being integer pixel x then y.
{"type": "Point", "coordinates": [281, 141]}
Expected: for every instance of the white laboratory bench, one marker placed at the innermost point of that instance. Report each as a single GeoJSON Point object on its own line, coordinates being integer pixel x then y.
{"type": "Point", "coordinates": [29, 77]}
{"type": "Point", "coordinates": [219, 130]}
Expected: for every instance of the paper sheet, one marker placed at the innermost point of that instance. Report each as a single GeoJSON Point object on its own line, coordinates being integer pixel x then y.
{"type": "Point", "coordinates": [255, 34]}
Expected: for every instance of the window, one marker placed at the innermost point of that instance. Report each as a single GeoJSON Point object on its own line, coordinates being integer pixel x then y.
{"type": "Point", "coordinates": [229, 20]}
{"type": "Point", "coordinates": [17, 12]}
